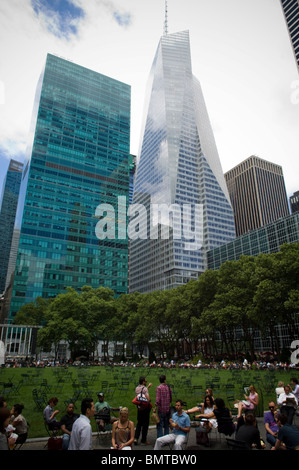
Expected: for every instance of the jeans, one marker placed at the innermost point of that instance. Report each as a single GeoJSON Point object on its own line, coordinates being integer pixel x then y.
{"type": "Point", "coordinates": [270, 439]}
{"type": "Point", "coordinates": [65, 441]}
{"type": "Point", "coordinates": [163, 424]}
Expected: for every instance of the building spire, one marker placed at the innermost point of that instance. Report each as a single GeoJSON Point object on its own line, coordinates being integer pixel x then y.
{"type": "Point", "coordinates": [166, 19]}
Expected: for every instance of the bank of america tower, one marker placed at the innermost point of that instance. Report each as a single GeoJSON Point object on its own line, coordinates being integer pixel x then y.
{"type": "Point", "coordinates": [181, 204]}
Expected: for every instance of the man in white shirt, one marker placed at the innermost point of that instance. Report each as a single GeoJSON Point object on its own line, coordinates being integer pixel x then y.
{"type": "Point", "coordinates": [288, 403]}
{"type": "Point", "coordinates": [81, 437]}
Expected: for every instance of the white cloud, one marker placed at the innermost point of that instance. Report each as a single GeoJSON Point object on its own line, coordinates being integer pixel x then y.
{"type": "Point", "coordinates": [240, 50]}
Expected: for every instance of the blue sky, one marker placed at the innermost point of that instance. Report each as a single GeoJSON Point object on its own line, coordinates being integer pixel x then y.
{"type": "Point", "coordinates": [67, 16]}
{"type": "Point", "coordinates": [240, 50]}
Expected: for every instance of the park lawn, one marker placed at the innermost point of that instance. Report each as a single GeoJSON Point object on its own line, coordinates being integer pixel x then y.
{"type": "Point", "coordinates": [118, 384]}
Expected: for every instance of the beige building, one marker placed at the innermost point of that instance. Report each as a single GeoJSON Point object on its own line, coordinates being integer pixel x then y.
{"type": "Point", "coordinates": [257, 192]}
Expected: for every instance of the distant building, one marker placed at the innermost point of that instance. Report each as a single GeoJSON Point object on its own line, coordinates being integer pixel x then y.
{"type": "Point", "coordinates": [267, 239]}
{"type": "Point", "coordinates": [9, 203]}
{"type": "Point", "coordinates": [257, 193]}
{"type": "Point", "coordinates": [294, 202]}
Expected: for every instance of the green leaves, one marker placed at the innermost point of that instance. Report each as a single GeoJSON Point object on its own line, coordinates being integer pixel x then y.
{"type": "Point", "coordinates": [253, 293]}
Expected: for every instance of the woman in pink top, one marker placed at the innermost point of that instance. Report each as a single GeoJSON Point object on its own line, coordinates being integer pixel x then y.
{"type": "Point", "coordinates": [251, 401]}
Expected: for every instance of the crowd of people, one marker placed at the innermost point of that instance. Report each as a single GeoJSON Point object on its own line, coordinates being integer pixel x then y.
{"type": "Point", "coordinates": [259, 364]}
{"type": "Point", "coordinates": [173, 423]}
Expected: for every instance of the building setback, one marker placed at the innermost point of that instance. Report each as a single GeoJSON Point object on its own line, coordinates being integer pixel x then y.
{"type": "Point", "coordinates": [78, 161]}
{"type": "Point", "coordinates": [267, 239]}
{"type": "Point", "coordinates": [291, 13]}
{"type": "Point", "coordinates": [177, 166]}
{"type": "Point", "coordinates": [257, 192]}
{"type": "Point", "coordinates": [294, 202]}
{"type": "Point", "coordinates": [9, 203]}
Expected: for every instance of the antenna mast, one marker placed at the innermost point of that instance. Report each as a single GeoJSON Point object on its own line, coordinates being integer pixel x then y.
{"type": "Point", "coordinates": [166, 19]}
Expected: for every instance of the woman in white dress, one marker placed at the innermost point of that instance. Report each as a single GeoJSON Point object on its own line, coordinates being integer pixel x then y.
{"type": "Point", "coordinates": [206, 409]}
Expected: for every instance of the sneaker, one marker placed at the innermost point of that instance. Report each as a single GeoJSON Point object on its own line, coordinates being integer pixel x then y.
{"type": "Point", "coordinates": [146, 443]}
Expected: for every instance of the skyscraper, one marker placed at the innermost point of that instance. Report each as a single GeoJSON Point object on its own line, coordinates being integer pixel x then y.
{"type": "Point", "coordinates": [291, 14]}
{"type": "Point", "coordinates": [9, 202]}
{"type": "Point", "coordinates": [258, 194]}
{"type": "Point", "coordinates": [294, 202]}
{"type": "Point", "coordinates": [79, 161]}
{"type": "Point", "coordinates": [181, 204]}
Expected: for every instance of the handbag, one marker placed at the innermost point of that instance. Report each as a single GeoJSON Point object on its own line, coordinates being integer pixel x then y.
{"type": "Point", "coordinates": [202, 436]}
{"type": "Point", "coordinates": [55, 443]}
{"type": "Point", "coordinates": [155, 417]}
{"type": "Point", "coordinates": [141, 401]}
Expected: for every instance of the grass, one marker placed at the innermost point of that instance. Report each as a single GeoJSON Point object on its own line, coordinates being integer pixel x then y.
{"type": "Point", "coordinates": [118, 384]}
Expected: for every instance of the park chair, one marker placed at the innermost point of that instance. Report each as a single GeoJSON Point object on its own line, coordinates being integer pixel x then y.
{"type": "Point", "coordinates": [73, 399]}
{"type": "Point", "coordinates": [124, 388]}
{"type": "Point", "coordinates": [104, 436]}
{"type": "Point", "coordinates": [21, 439]}
{"type": "Point", "coordinates": [39, 399]}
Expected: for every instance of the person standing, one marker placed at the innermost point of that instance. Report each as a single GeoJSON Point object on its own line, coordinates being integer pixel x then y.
{"type": "Point", "coordinates": [163, 402]}
{"type": "Point", "coordinates": [295, 388]}
{"type": "Point", "coordinates": [143, 414]}
{"type": "Point", "coordinates": [81, 437]}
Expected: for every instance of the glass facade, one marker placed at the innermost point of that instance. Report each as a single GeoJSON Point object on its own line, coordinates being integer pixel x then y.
{"type": "Point", "coordinates": [267, 239]}
{"type": "Point", "coordinates": [9, 204]}
{"type": "Point", "coordinates": [79, 159]}
{"type": "Point", "coordinates": [178, 169]}
{"type": "Point", "coordinates": [291, 13]}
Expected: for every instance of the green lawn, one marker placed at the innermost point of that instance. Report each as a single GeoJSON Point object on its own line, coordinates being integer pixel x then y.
{"type": "Point", "coordinates": [118, 384]}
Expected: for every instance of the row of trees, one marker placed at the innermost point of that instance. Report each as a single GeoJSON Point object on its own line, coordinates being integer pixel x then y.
{"type": "Point", "coordinates": [220, 313]}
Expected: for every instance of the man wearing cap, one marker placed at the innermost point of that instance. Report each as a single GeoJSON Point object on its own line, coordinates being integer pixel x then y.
{"type": "Point", "coordinates": [102, 412]}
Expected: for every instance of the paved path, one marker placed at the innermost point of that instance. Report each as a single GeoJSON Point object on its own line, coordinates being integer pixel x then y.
{"type": "Point", "coordinates": [217, 441]}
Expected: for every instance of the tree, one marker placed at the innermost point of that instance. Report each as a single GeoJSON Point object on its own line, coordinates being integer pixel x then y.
{"type": "Point", "coordinates": [33, 313]}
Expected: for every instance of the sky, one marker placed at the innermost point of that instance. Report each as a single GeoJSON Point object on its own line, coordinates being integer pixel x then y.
{"type": "Point", "coordinates": [240, 50]}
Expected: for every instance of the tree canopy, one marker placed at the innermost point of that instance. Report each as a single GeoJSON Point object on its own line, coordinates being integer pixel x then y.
{"type": "Point", "coordinates": [220, 313]}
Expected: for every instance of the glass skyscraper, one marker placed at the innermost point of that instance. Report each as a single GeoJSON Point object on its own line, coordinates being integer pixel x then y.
{"type": "Point", "coordinates": [8, 208]}
{"type": "Point", "coordinates": [79, 160]}
{"type": "Point", "coordinates": [181, 204]}
{"type": "Point", "coordinates": [291, 13]}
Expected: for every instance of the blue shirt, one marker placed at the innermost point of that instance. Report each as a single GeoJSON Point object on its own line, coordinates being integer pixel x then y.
{"type": "Point", "coordinates": [182, 420]}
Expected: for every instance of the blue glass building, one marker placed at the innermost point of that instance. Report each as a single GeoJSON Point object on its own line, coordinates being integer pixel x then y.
{"type": "Point", "coordinates": [8, 209]}
{"type": "Point", "coordinates": [178, 170]}
{"type": "Point", "coordinates": [78, 160]}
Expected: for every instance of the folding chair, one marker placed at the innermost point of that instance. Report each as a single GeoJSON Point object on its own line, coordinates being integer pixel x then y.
{"type": "Point", "coordinates": [21, 439]}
